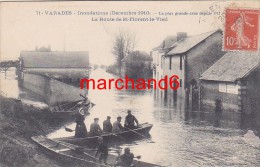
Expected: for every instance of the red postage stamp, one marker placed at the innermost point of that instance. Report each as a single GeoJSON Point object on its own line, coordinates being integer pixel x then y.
{"type": "Point", "coordinates": [241, 30]}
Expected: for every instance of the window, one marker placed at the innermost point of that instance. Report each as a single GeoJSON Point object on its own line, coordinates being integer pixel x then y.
{"type": "Point", "coordinates": [157, 59]}
{"type": "Point", "coordinates": [222, 87]}
{"type": "Point", "coordinates": [162, 61]}
{"type": "Point", "coordinates": [180, 82]}
{"type": "Point", "coordinates": [180, 62]}
{"type": "Point", "coordinates": [228, 88]}
{"type": "Point", "coordinates": [170, 66]}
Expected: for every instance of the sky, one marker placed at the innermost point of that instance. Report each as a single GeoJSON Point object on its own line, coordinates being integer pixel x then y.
{"type": "Point", "coordinates": [22, 29]}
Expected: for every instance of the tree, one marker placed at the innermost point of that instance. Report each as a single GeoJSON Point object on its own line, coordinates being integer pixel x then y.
{"type": "Point", "coordinates": [138, 65]}
{"type": "Point", "coordinates": [123, 44]}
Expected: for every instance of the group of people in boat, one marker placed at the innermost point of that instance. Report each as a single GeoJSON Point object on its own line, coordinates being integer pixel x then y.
{"type": "Point", "coordinates": [95, 130]}
{"type": "Point", "coordinates": [131, 122]}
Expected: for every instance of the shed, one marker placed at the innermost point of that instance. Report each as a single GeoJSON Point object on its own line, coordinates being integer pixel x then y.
{"type": "Point", "coordinates": [235, 79]}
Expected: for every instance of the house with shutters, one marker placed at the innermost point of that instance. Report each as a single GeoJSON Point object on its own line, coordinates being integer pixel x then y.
{"type": "Point", "coordinates": [188, 58]}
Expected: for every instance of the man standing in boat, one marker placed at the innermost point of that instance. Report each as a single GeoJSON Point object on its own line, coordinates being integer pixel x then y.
{"type": "Point", "coordinates": [80, 130]}
{"type": "Point", "coordinates": [95, 129]}
{"type": "Point", "coordinates": [117, 126]}
{"type": "Point", "coordinates": [130, 121]}
{"type": "Point", "coordinates": [107, 126]}
{"type": "Point", "coordinates": [102, 150]}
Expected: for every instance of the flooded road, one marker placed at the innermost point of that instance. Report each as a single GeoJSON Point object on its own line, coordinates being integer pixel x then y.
{"type": "Point", "coordinates": [9, 87]}
{"type": "Point", "coordinates": [182, 137]}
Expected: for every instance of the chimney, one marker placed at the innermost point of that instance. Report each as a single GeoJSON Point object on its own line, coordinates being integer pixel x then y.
{"type": "Point", "coordinates": [181, 35]}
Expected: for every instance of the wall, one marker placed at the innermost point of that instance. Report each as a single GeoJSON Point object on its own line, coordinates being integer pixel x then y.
{"type": "Point", "coordinates": [60, 72]}
{"type": "Point", "coordinates": [39, 84]}
{"type": "Point", "coordinates": [210, 92]}
{"type": "Point", "coordinates": [204, 55]}
{"type": "Point", "coordinates": [51, 90]}
{"type": "Point", "coordinates": [251, 101]}
{"type": "Point", "coordinates": [158, 72]}
{"type": "Point", "coordinates": [175, 70]}
{"type": "Point", "coordinates": [61, 92]}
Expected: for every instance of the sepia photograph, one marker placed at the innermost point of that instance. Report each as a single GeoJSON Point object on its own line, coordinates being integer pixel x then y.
{"type": "Point", "coordinates": [130, 84]}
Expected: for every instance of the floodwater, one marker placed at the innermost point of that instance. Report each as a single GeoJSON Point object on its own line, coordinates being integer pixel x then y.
{"type": "Point", "coordinates": [9, 87]}
{"type": "Point", "coordinates": [182, 137]}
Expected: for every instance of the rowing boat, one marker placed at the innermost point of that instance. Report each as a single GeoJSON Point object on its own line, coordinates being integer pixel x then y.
{"type": "Point", "coordinates": [110, 137]}
{"type": "Point", "coordinates": [71, 108]}
{"type": "Point", "coordinates": [69, 155]}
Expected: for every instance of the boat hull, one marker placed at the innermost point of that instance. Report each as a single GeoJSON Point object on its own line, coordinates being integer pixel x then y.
{"type": "Point", "coordinates": [71, 109]}
{"type": "Point", "coordinates": [125, 136]}
{"type": "Point", "coordinates": [68, 155]}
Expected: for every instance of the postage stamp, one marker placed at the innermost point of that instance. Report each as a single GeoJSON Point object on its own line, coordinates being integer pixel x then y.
{"type": "Point", "coordinates": [241, 30]}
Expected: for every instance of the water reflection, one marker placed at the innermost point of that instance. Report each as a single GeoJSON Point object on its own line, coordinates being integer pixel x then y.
{"type": "Point", "coordinates": [184, 137]}
{"type": "Point", "coordinates": [9, 87]}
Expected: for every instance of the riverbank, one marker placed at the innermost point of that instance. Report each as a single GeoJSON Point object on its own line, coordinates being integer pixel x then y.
{"type": "Point", "coordinates": [18, 123]}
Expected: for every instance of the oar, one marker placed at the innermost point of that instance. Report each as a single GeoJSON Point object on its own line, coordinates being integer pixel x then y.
{"type": "Point", "coordinates": [140, 135]}
{"type": "Point", "coordinates": [138, 157]}
{"type": "Point", "coordinates": [92, 104]}
{"type": "Point", "coordinates": [110, 133]}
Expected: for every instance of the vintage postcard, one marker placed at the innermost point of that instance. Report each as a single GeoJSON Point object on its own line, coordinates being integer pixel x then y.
{"type": "Point", "coordinates": [129, 83]}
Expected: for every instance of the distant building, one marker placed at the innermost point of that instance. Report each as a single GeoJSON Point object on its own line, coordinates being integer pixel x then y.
{"type": "Point", "coordinates": [157, 54]}
{"type": "Point", "coordinates": [235, 80]}
{"type": "Point", "coordinates": [67, 66]}
{"type": "Point", "coordinates": [42, 72]}
{"type": "Point", "coordinates": [188, 58]}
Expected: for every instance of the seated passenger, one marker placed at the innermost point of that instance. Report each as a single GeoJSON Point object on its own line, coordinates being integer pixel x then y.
{"type": "Point", "coordinates": [107, 126]}
{"type": "Point", "coordinates": [117, 127]}
{"type": "Point", "coordinates": [95, 129]}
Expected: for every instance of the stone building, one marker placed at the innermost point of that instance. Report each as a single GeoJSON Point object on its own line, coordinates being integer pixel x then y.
{"type": "Point", "coordinates": [188, 58]}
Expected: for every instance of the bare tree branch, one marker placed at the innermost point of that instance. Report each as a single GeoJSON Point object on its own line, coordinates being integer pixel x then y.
{"type": "Point", "coordinates": [124, 43]}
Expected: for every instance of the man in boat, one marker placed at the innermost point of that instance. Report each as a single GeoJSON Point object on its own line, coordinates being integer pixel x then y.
{"type": "Point", "coordinates": [126, 159]}
{"type": "Point", "coordinates": [107, 126]}
{"type": "Point", "coordinates": [95, 129]}
{"type": "Point", "coordinates": [80, 130]}
{"type": "Point", "coordinates": [117, 126]}
{"type": "Point", "coordinates": [102, 150]}
{"type": "Point", "coordinates": [130, 121]}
